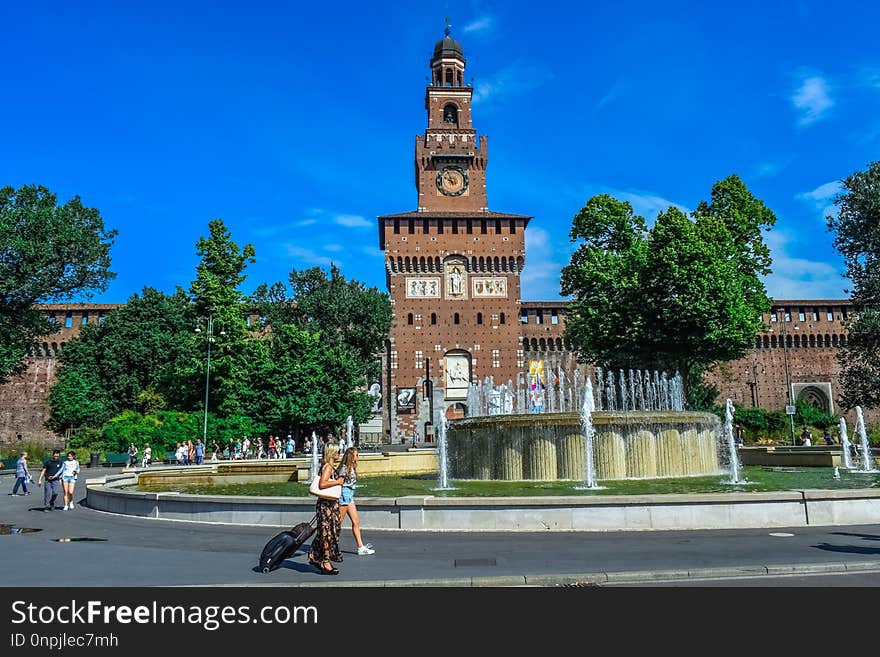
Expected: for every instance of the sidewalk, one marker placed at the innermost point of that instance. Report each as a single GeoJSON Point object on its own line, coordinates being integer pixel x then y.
{"type": "Point", "coordinates": [124, 551]}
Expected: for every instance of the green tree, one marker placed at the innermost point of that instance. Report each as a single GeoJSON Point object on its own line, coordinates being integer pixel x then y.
{"type": "Point", "coordinates": [129, 361]}
{"type": "Point", "coordinates": [857, 238]}
{"type": "Point", "coordinates": [345, 312]}
{"type": "Point", "coordinates": [304, 383]}
{"type": "Point", "coordinates": [48, 252]}
{"type": "Point", "coordinates": [681, 296]}
{"type": "Point", "coordinates": [215, 294]}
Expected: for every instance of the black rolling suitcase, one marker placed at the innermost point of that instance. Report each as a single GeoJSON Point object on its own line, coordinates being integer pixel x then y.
{"type": "Point", "coordinates": [284, 545]}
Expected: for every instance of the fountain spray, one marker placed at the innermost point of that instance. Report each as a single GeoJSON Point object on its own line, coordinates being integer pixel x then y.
{"type": "Point", "coordinates": [845, 446]}
{"type": "Point", "coordinates": [443, 477]}
{"type": "Point", "coordinates": [867, 459]}
{"type": "Point", "coordinates": [314, 455]}
{"type": "Point", "coordinates": [731, 444]}
{"type": "Point", "coordinates": [587, 422]}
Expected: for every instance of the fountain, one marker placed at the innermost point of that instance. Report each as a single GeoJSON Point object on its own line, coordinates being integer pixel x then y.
{"type": "Point", "coordinates": [314, 472]}
{"type": "Point", "coordinates": [845, 446]}
{"type": "Point", "coordinates": [867, 459]}
{"type": "Point", "coordinates": [587, 425]}
{"type": "Point", "coordinates": [443, 478]}
{"type": "Point", "coordinates": [731, 443]}
{"type": "Point", "coordinates": [639, 430]}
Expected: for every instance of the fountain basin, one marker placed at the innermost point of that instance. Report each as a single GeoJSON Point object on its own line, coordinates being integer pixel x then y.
{"type": "Point", "coordinates": [550, 446]}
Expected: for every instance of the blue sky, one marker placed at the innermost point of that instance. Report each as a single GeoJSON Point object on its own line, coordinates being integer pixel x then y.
{"type": "Point", "coordinates": [295, 122]}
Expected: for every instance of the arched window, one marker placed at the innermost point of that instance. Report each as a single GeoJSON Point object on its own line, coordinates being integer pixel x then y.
{"type": "Point", "coordinates": [433, 318]}
{"type": "Point", "coordinates": [409, 319]}
{"type": "Point", "coordinates": [450, 114]}
{"type": "Point", "coordinates": [449, 78]}
{"type": "Point", "coordinates": [479, 318]}
{"type": "Point", "coordinates": [456, 319]}
{"type": "Point", "coordinates": [502, 318]}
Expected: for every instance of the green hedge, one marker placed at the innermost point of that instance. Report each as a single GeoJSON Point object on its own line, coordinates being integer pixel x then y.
{"type": "Point", "coordinates": [164, 429]}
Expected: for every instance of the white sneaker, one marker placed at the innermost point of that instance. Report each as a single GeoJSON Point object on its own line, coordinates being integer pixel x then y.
{"type": "Point", "coordinates": [71, 506]}
{"type": "Point", "coordinates": [366, 549]}
{"type": "Point", "coordinates": [66, 507]}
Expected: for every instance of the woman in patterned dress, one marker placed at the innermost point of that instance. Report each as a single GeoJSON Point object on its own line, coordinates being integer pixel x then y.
{"type": "Point", "coordinates": [325, 544]}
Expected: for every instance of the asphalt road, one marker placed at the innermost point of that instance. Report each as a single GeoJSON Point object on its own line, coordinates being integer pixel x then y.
{"type": "Point", "coordinates": [125, 551]}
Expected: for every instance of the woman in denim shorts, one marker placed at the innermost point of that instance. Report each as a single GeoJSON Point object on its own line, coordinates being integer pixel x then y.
{"type": "Point", "coordinates": [348, 470]}
{"type": "Point", "coordinates": [69, 472]}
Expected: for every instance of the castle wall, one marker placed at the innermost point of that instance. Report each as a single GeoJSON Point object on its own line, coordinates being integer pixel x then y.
{"type": "Point", "coordinates": [24, 408]}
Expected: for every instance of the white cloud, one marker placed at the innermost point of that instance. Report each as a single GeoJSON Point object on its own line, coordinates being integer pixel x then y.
{"type": "Point", "coordinates": [480, 25]}
{"type": "Point", "coordinates": [309, 256]}
{"type": "Point", "coordinates": [514, 80]}
{"type": "Point", "coordinates": [353, 221]}
{"type": "Point", "coordinates": [870, 77]}
{"type": "Point", "coordinates": [373, 251]}
{"type": "Point", "coordinates": [800, 276]}
{"type": "Point", "coordinates": [544, 262]}
{"type": "Point", "coordinates": [768, 169]}
{"type": "Point", "coordinates": [334, 248]}
{"type": "Point", "coordinates": [823, 192]}
{"type": "Point", "coordinates": [612, 94]}
{"type": "Point", "coordinates": [821, 198]}
{"type": "Point", "coordinates": [305, 222]}
{"type": "Point", "coordinates": [812, 100]}
{"type": "Point", "coordinates": [646, 204]}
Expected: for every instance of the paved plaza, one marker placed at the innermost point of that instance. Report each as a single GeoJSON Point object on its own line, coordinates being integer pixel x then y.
{"type": "Point", "coordinates": [126, 551]}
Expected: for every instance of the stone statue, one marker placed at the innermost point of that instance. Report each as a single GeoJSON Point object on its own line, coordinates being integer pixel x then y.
{"type": "Point", "coordinates": [455, 280]}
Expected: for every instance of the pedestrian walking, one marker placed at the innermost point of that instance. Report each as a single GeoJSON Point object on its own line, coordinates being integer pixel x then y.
{"type": "Point", "coordinates": [69, 473]}
{"type": "Point", "coordinates": [51, 474]}
{"type": "Point", "coordinates": [132, 455]}
{"type": "Point", "coordinates": [347, 507]}
{"type": "Point", "coordinates": [148, 456]}
{"type": "Point", "coordinates": [325, 544]}
{"type": "Point", "coordinates": [22, 475]}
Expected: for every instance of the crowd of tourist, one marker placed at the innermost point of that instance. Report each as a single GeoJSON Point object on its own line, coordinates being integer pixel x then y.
{"type": "Point", "coordinates": [188, 452]}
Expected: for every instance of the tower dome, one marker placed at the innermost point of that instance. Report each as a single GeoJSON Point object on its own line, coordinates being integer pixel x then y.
{"type": "Point", "coordinates": [447, 64]}
{"type": "Point", "coordinates": [448, 47]}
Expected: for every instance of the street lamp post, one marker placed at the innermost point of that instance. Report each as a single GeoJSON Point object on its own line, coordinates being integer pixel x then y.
{"type": "Point", "coordinates": [787, 375]}
{"type": "Point", "coordinates": [210, 337]}
{"type": "Point", "coordinates": [753, 384]}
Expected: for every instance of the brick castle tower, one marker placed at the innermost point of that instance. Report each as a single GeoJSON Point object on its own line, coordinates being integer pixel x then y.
{"type": "Point", "coordinates": [452, 267]}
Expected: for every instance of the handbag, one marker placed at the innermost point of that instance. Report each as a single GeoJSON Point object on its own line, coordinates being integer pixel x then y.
{"type": "Point", "coordinates": [329, 493]}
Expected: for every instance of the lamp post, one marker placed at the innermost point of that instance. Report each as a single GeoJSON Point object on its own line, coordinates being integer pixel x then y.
{"type": "Point", "coordinates": [753, 384]}
{"type": "Point", "coordinates": [787, 373]}
{"type": "Point", "coordinates": [210, 337]}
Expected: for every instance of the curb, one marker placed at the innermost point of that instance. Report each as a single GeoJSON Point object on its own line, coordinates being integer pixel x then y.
{"type": "Point", "coordinates": [598, 579]}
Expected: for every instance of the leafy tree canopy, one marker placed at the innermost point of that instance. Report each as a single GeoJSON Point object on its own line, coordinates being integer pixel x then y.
{"type": "Point", "coordinates": [680, 296]}
{"type": "Point", "coordinates": [345, 312]}
{"type": "Point", "coordinates": [48, 252]}
{"type": "Point", "coordinates": [139, 347]}
{"type": "Point", "coordinates": [216, 296]}
{"type": "Point", "coordinates": [857, 228]}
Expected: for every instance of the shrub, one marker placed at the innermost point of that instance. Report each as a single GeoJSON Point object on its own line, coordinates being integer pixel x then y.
{"type": "Point", "coordinates": [813, 416]}
{"type": "Point", "coordinates": [164, 429]}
